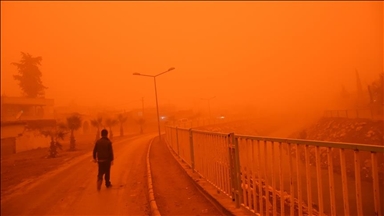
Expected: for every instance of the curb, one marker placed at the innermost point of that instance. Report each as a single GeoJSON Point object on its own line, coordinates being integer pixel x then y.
{"type": "Point", "coordinates": [152, 201]}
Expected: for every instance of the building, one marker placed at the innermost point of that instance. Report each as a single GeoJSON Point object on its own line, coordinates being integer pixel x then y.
{"type": "Point", "coordinates": [21, 120]}
{"type": "Point", "coordinates": [9, 132]}
{"type": "Point", "coordinates": [20, 108]}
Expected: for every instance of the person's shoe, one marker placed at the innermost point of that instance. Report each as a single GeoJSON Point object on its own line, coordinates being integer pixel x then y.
{"type": "Point", "coordinates": [109, 185]}
{"type": "Point", "coordinates": [99, 183]}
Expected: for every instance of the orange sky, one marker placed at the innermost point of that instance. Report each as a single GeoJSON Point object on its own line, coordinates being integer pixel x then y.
{"type": "Point", "coordinates": [240, 52]}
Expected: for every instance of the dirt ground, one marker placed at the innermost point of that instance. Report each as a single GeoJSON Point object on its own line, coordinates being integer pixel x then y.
{"type": "Point", "coordinates": [25, 165]}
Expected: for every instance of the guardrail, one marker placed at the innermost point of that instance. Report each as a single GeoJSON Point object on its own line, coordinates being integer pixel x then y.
{"type": "Point", "coordinates": [355, 113]}
{"type": "Point", "coordinates": [198, 122]}
{"type": "Point", "coordinates": [285, 176]}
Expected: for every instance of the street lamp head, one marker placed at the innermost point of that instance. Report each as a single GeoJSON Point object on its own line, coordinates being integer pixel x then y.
{"type": "Point", "coordinates": [172, 68]}
{"type": "Point", "coordinates": [136, 74]}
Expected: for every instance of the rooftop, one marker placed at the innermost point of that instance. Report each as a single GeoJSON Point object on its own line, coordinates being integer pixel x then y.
{"type": "Point", "coordinates": [26, 101]}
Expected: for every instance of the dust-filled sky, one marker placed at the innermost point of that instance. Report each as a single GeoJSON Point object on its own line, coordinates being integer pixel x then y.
{"type": "Point", "coordinates": [267, 53]}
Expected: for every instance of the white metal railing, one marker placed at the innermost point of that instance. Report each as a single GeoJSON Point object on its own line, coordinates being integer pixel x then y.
{"type": "Point", "coordinates": [200, 122]}
{"type": "Point", "coordinates": [286, 176]}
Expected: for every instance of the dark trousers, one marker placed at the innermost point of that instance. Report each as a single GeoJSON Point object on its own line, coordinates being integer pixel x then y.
{"type": "Point", "coordinates": [104, 169]}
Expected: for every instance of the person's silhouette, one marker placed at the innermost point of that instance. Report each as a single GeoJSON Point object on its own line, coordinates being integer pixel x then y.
{"type": "Point", "coordinates": [103, 155]}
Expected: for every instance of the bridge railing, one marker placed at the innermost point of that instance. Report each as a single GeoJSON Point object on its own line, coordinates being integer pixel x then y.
{"type": "Point", "coordinates": [200, 122]}
{"type": "Point", "coordinates": [286, 176]}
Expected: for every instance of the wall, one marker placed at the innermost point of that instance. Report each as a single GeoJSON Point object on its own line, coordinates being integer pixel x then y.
{"type": "Point", "coordinates": [31, 140]}
{"type": "Point", "coordinates": [12, 130]}
{"type": "Point", "coordinates": [8, 146]}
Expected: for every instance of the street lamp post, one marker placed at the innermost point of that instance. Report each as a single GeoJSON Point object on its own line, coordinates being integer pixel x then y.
{"type": "Point", "coordinates": [157, 104]}
{"type": "Point", "coordinates": [209, 104]}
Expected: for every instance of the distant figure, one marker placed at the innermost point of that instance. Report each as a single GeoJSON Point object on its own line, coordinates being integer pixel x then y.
{"type": "Point", "coordinates": [103, 155]}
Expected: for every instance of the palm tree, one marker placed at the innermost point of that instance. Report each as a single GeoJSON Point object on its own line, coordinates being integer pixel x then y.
{"type": "Point", "coordinates": [141, 122]}
{"type": "Point", "coordinates": [56, 134]}
{"type": "Point", "coordinates": [122, 119]}
{"type": "Point", "coordinates": [110, 122]}
{"type": "Point", "coordinates": [97, 123]}
{"type": "Point", "coordinates": [73, 123]}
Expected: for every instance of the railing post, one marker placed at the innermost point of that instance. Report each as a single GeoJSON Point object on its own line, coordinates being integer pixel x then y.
{"type": "Point", "coordinates": [237, 174]}
{"type": "Point", "coordinates": [191, 150]}
{"type": "Point", "coordinates": [177, 142]}
{"type": "Point", "coordinates": [231, 151]}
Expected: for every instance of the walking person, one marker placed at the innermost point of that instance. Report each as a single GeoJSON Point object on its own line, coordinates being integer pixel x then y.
{"type": "Point", "coordinates": [103, 155]}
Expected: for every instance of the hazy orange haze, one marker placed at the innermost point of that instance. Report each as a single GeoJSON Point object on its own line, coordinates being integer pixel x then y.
{"type": "Point", "coordinates": [267, 53]}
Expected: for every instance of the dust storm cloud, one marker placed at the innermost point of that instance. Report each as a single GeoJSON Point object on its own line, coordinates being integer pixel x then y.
{"type": "Point", "coordinates": [267, 56]}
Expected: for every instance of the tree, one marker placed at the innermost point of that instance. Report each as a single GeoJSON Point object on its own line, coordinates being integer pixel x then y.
{"type": "Point", "coordinates": [73, 124]}
{"type": "Point", "coordinates": [29, 76]}
{"type": "Point", "coordinates": [110, 122]}
{"type": "Point", "coordinates": [122, 119]}
{"type": "Point", "coordinates": [376, 94]}
{"type": "Point", "coordinates": [56, 134]}
{"type": "Point", "coordinates": [141, 122]}
{"type": "Point", "coordinates": [97, 123]}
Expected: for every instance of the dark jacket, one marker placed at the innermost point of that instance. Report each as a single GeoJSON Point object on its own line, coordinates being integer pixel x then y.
{"type": "Point", "coordinates": [103, 150]}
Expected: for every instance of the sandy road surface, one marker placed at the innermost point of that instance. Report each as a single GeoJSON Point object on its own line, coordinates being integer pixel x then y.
{"type": "Point", "coordinates": [174, 190]}
{"type": "Point", "coordinates": [71, 190]}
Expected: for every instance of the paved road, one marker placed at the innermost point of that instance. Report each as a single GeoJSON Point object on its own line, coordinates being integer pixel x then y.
{"type": "Point", "coordinates": [71, 190]}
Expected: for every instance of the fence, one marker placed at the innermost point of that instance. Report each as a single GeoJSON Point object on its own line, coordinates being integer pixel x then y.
{"type": "Point", "coordinates": [355, 113]}
{"type": "Point", "coordinates": [285, 176]}
{"type": "Point", "coordinates": [198, 122]}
